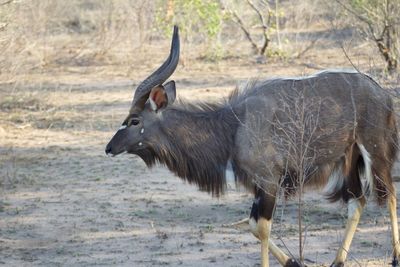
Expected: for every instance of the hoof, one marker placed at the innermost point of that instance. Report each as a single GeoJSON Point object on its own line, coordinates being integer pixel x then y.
{"type": "Point", "coordinates": [293, 263]}
{"type": "Point", "coordinates": [395, 262]}
{"type": "Point", "coordinates": [339, 264]}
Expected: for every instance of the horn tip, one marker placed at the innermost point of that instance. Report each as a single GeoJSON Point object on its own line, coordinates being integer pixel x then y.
{"type": "Point", "coordinates": [176, 29]}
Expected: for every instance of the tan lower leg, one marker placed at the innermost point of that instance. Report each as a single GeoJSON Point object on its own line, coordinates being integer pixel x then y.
{"type": "Point", "coordinates": [264, 230]}
{"type": "Point", "coordinates": [275, 250]}
{"type": "Point", "coordinates": [393, 218]}
{"type": "Point", "coordinates": [278, 253]}
{"type": "Point", "coordinates": [264, 253]}
{"type": "Point", "coordinates": [355, 208]}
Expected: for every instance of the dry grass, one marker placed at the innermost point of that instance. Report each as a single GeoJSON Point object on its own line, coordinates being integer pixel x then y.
{"type": "Point", "coordinates": [51, 39]}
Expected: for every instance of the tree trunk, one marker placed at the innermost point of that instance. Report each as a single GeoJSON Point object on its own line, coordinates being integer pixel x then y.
{"type": "Point", "coordinates": [388, 55]}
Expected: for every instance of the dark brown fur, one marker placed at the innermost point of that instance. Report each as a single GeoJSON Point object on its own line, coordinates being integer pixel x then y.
{"type": "Point", "coordinates": [197, 143]}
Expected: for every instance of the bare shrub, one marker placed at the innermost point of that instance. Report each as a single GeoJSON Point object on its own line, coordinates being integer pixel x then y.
{"type": "Point", "coordinates": [297, 138]}
{"type": "Point", "coordinates": [379, 21]}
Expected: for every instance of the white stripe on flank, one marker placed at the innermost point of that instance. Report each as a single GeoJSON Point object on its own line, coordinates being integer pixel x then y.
{"type": "Point", "coordinates": [367, 166]}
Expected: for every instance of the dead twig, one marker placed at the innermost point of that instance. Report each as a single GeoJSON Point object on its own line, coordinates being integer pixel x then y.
{"type": "Point", "coordinates": [264, 23]}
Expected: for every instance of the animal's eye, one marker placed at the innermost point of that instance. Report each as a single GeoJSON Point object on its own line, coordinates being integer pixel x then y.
{"type": "Point", "coordinates": [134, 121]}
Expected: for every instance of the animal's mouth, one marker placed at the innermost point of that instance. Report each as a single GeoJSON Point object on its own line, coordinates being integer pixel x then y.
{"type": "Point", "coordinates": [115, 154]}
{"type": "Point", "coordinates": [111, 152]}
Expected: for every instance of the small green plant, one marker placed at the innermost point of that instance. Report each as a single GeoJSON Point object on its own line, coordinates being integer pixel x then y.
{"type": "Point", "coordinates": [197, 20]}
{"type": "Point", "coordinates": [276, 53]}
{"type": "Point", "coordinates": [192, 16]}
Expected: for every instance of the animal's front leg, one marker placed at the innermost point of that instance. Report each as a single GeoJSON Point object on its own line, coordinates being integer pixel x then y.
{"type": "Point", "coordinates": [260, 225]}
{"type": "Point", "coordinates": [264, 230]}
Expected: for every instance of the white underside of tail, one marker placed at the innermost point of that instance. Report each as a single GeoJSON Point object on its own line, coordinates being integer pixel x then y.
{"type": "Point", "coordinates": [367, 170]}
{"type": "Point", "coordinates": [336, 179]}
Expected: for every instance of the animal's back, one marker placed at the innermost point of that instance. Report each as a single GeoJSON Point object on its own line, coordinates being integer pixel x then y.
{"type": "Point", "coordinates": [351, 102]}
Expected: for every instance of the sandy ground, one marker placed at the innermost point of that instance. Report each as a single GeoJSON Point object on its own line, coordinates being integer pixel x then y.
{"type": "Point", "coordinates": [64, 203]}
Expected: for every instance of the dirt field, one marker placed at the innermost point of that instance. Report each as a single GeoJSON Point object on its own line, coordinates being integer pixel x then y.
{"type": "Point", "coordinates": [64, 203]}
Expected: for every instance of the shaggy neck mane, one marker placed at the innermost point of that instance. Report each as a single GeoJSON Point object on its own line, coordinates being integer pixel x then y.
{"type": "Point", "coordinates": [196, 143]}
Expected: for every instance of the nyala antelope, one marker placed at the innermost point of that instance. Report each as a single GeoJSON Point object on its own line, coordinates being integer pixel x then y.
{"type": "Point", "coordinates": [350, 141]}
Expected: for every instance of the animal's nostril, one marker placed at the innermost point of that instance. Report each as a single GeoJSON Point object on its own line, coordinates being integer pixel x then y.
{"type": "Point", "coordinates": [108, 149]}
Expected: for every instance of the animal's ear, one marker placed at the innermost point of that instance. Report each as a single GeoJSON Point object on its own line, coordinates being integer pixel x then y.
{"type": "Point", "coordinates": [170, 90]}
{"type": "Point", "coordinates": [162, 95]}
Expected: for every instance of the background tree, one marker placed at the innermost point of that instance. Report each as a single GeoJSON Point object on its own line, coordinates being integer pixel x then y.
{"type": "Point", "coordinates": [263, 18]}
{"type": "Point", "coordinates": [379, 21]}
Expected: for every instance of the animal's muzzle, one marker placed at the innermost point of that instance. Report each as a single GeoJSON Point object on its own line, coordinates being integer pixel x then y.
{"type": "Point", "coordinates": [113, 149]}
{"type": "Point", "coordinates": [108, 149]}
{"type": "Point", "coordinates": [117, 144]}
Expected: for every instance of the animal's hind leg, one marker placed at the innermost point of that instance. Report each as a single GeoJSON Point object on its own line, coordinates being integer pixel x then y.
{"type": "Point", "coordinates": [385, 190]}
{"type": "Point", "coordinates": [353, 193]}
{"type": "Point", "coordinates": [392, 206]}
{"type": "Point", "coordinates": [355, 208]}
